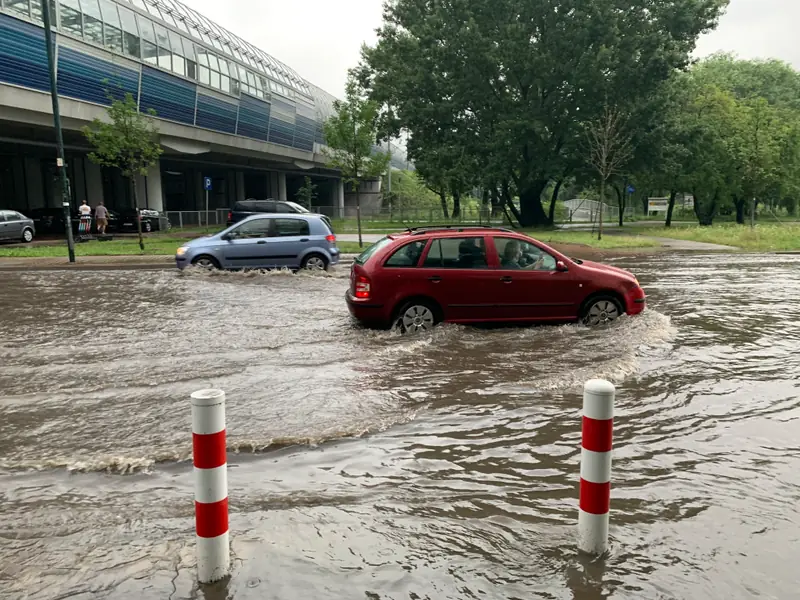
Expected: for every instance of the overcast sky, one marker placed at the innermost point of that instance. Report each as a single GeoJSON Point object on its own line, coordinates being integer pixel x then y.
{"type": "Point", "coordinates": [320, 39]}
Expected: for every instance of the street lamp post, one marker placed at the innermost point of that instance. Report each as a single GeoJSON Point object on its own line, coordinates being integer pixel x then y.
{"type": "Point", "coordinates": [60, 162]}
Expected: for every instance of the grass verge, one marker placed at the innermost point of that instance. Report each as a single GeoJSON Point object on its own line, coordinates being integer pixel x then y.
{"type": "Point", "coordinates": [762, 238]}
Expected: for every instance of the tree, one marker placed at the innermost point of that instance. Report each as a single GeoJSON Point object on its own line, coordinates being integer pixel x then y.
{"type": "Point", "coordinates": [129, 142]}
{"type": "Point", "coordinates": [609, 150]}
{"type": "Point", "coordinates": [350, 135]}
{"type": "Point", "coordinates": [516, 82]}
{"type": "Point", "coordinates": [307, 193]}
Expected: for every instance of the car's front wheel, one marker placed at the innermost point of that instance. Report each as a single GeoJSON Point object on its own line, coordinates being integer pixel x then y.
{"type": "Point", "coordinates": [417, 316]}
{"type": "Point", "coordinates": [601, 310]}
{"type": "Point", "coordinates": [206, 262]}
{"type": "Point", "coordinates": [27, 235]}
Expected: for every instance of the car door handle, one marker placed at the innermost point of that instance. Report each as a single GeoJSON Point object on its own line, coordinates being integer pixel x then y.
{"type": "Point", "coordinates": [261, 242]}
{"type": "Point", "coordinates": [435, 279]}
{"type": "Point", "coordinates": [304, 240]}
{"type": "Point", "coordinates": [506, 279]}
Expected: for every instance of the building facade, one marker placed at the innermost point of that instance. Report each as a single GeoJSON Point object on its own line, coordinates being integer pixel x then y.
{"type": "Point", "coordinates": [225, 109]}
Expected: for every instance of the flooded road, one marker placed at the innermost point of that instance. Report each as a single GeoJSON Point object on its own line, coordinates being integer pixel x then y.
{"type": "Point", "coordinates": [369, 465]}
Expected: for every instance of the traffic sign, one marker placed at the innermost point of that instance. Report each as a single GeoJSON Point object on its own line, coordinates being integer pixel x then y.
{"type": "Point", "coordinates": [207, 183]}
{"type": "Point", "coordinates": [631, 189]}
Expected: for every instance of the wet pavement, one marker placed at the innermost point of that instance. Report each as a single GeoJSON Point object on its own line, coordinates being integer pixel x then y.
{"type": "Point", "coordinates": [370, 465]}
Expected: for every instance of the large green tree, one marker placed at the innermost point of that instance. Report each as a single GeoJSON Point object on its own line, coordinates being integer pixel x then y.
{"type": "Point", "coordinates": [350, 138]}
{"type": "Point", "coordinates": [127, 141]}
{"type": "Point", "coordinates": [517, 81]}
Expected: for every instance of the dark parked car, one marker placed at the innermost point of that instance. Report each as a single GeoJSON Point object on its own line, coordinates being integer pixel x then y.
{"type": "Point", "coordinates": [16, 226]}
{"type": "Point", "coordinates": [471, 275]}
{"type": "Point", "coordinates": [152, 220]}
{"type": "Point", "coordinates": [248, 208]}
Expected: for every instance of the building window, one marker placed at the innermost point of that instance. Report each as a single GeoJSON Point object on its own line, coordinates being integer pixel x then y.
{"type": "Point", "coordinates": [191, 61]}
{"type": "Point", "coordinates": [113, 29]}
{"type": "Point", "coordinates": [149, 48]}
{"type": "Point", "coordinates": [204, 75]}
{"type": "Point", "coordinates": [71, 17]}
{"type": "Point", "coordinates": [92, 21]}
{"type": "Point", "coordinates": [130, 33]}
{"type": "Point", "coordinates": [164, 49]}
{"type": "Point", "coordinates": [36, 12]}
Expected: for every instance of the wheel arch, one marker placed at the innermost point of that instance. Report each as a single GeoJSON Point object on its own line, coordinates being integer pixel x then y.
{"type": "Point", "coordinates": [209, 256]}
{"type": "Point", "coordinates": [600, 293]}
{"type": "Point", "coordinates": [398, 306]}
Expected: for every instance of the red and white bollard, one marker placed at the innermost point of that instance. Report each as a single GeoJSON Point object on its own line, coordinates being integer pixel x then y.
{"type": "Point", "coordinates": [210, 484]}
{"type": "Point", "coordinates": [595, 492]}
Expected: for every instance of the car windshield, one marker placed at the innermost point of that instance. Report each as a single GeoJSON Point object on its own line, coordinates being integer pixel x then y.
{"type": "Point", "coordinates": [298, 207]}
{"type": "Point", "coordinates": [367, 254]}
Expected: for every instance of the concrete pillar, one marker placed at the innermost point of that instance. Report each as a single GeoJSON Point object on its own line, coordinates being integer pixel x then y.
{"type": "Point", "coordinates": [155, 194]}
{"type": "Point", "coordinates": [340, 197]}
{"type": "Point", "coordinates": [272, 192]}
{"type": "Point", "coordinates": [94, 183]}
{"type": "Point", "coordinates": [240, 186]}
{"type": "Point", "coordinates": [141, 191]}
{"type": "Point", "coordinates": [33, 182]}
{"type": "Point", "coordinates": [282, 187]}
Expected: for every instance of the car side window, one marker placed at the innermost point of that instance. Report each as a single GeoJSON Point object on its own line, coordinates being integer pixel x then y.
{"type": "Point", "coordinates": [518, 254]}
{"type": "Point", "coordinates": [259, 228]}
{"type": "Point", "coordinates": [406, 256]}
{"type": "Point", "coordinates": [457, 253]}
{"type": "Point", "coordinates": [291, 227]}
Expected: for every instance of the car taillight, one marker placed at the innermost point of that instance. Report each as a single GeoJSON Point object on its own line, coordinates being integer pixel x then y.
{"type": "Point", "coordinates": [331, 238]}
{"type": "Point", "coordinates": [363, 289]}
{"type": "Point", "coordinates": [230, 216]}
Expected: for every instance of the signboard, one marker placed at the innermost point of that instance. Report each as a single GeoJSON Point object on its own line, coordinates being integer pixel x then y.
{"type": "Point", "coordinates": [657, 204]}
{"type": "Point", "coordinates": [207, 183]}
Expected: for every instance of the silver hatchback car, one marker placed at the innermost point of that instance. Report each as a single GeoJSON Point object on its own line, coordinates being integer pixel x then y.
{"type": "Point", "coordinates": [290, 241]}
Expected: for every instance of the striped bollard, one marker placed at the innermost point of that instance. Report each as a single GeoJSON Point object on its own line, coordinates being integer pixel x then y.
{"type": "Point", "coordinates": [210, 484]}
{"type": "Point", "coordinates": [595, 491]}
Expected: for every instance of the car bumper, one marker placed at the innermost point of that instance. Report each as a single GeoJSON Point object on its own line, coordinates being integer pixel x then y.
{"type": "Point", "coordinates": [182, 262]}
{"type": "Point", "coordinates": [366, 311]}
{"type": "Point", "coordinates": [635, 301]}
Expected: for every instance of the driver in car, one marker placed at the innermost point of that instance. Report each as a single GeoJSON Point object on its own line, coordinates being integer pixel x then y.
{"type": "Point", "coordinates": [513, 258]}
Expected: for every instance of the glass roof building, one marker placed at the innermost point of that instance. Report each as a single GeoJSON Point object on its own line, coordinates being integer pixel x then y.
{"type": "Point", "coordinates": [218, 98]}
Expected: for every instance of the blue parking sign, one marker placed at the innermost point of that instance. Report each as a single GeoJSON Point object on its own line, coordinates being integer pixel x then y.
{"type": "Point", "coordinates": [207, 183]}
{"type": "Point", "coordinates": [631, 189]}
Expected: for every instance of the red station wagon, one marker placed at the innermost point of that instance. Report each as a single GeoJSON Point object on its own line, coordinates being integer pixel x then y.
{"type": "Point", "coordinates": [427, 275]}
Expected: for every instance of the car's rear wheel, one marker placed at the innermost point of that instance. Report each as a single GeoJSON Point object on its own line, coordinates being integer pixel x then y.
{"type": "Point", "coordinates": [601, 310]}
{"type": "Point", "coordinates": [27, 235]}
{"type": "Point", "coordinates": [315, 262]}
{"type": "Point", "coordinates": [206, 262]}
{"type": "Point", "coordinates": [417, 316]}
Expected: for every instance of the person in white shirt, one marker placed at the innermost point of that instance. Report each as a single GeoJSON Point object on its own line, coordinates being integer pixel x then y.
{"type": "Point", "coordinates": [85, 225]}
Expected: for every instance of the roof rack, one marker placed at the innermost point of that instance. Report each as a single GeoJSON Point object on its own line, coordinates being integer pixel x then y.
{"type": "Point", "coordinates": [451, 227]}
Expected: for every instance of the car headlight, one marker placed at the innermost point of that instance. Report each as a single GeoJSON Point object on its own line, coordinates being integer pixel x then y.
{"type": "Point", "coordinates": [181, 251]}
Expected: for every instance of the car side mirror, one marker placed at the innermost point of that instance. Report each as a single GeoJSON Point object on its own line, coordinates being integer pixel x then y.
{"type": "Point", "coordinates": [227, 237]}
{"type": "Point", "coordinates": [561, 267]}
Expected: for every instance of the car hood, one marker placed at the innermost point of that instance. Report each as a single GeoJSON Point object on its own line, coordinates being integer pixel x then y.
{"type": "Point", "coordinates": [595, 266]}
{"type": "Point", "coordinates": [199, 241]}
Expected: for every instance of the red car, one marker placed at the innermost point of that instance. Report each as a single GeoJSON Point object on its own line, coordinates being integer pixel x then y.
{"type": "Point", "coordinates": [427, 275]}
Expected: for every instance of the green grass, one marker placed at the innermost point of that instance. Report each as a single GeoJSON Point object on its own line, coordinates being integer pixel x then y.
{"type": "Point", "coordinates": [763, 238]}
{"type": "Point", "coordinates": [585, 238]}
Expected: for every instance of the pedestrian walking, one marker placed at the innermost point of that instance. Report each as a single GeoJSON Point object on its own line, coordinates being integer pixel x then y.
{"type": "Point", "coordinates": [85, 226]}
{"type": "Point", "coordinates": [101, 218]}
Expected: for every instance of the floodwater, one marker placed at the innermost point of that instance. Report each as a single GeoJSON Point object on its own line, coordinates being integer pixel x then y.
{"type": "Point", "coordinates": [370, 465]}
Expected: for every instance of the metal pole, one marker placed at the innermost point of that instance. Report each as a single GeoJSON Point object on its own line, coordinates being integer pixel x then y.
{"type": "Point", "coordinates": [753, 213]}
{"type": "Point", "coordinates": [206, 209]}
{"type": "Point", "coordinates": [61, 164]}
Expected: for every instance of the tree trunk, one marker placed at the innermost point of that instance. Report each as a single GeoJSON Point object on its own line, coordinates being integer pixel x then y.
{"type": "Point", "coordinates": [484, 209]}
{"type": "Point", "coordinates": [671, 207]}
{"type": "Point", "coordinates": [602, 205]}
{"type": "Point", "coordinates": [443, 200]}
{"type": "Point", "coordinates": [497, 205]}
{"type": "Point", "coordinates": [530, 201]}
{"type": "Point", "coordinates": [138, 216]}
{"type": "Point", "coordinates": [620, 202]}
{"type": "Point", "coordinates": [456, 214]}
{"type": "Point", "coordinates": [552, 216]}
{"type": "Point", "coordinates": [358, 216]}
{"type": "Point", "coordinates": [705, 214]}
{"type": "Point", "coordinates": [752, 213]}
{"type": "Point", "coordinates": [508, 202]}
{"type": "Point", "coordinates": [739, 204]}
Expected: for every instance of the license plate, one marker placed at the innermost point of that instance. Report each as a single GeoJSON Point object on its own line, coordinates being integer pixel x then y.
{"type": "Point", "coordinates": [128, 224]}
